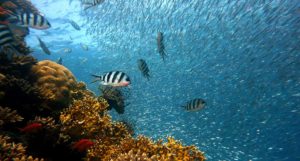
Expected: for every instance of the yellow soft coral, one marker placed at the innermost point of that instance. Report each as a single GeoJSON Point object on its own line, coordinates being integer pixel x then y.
{"type": "Point", "coordinates": [54, 81]}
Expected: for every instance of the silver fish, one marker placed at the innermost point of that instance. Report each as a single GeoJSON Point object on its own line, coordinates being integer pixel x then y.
{"type": "Point", "coordinates": [74, 25]}
{"type": "Point", "coordinates": [113, 78]}
{"type": "Point", "coordinates": [84, 47]}
{"type": "Point", "coordinates": [143, 67]}
{"type": "Point", "coordinates": [195, 105]}
{"type": "Point", "coordinates": [43, 46]}
{"type": "Point", "coordinates": [160, 45]}
{"type": "Point", "coordinates": [67, 50]}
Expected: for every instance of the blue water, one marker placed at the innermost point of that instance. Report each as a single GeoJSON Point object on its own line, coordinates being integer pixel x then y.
{"type": "Point", "coordinates": [242, 57]}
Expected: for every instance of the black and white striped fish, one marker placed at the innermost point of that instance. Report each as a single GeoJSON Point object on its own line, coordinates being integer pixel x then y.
{"type": "Point", "coordinates": [6, 36]}
{"type": "Point", "coordinates": [143, 67]}
{"type": "Point", "coordinates": [7, 42]}
{"type": "Point", "coordinates": [91, 3]}
{"type": "Point", "coordinates": [113, 78]}
{"type": "Point", "coordinates": [33, 20]}
{"type": "Point", "coordinates": [195, 105]}
{"type": "Point", "coordinates": [160, 45]}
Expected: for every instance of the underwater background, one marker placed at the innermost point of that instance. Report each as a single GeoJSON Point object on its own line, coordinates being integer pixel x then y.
{"type": "Point", "coordinates": [241, 56]}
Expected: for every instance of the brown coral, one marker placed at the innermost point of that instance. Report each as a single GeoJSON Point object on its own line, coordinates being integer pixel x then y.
{"type": "Point", "coordinates": [54, 81]}
{"type": "Point", "coordinates": [83, 117]}
{"type": "Point", "coordinates": [13, 151]}
{"type": "Point", "coordinates": [145, 149]}
{"type": "Point", "coordinates": [9, 116]}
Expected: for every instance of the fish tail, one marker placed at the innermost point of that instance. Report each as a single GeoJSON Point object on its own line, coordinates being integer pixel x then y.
{"type": "Point", "coordinates": [87, 6]}
{"type": "Point", "coordinates": [97, 78]}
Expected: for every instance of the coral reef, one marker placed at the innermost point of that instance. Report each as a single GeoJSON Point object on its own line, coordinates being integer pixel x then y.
{"type": "Point", "coordinates": [12, 151]}
{"type": "Point", "coordinates": [143, 148]}
{"type": "Point", "coordinates": [9, 116]}
{"type": "Point", "coordinates": [115, 98]}
{"type": "Point", "coordinates": [54, 81]}
{"type": "Point", "coordinates": [91, 121]}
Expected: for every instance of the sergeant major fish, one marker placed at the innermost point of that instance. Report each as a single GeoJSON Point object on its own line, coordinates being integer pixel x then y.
{"type": "Point", "coordinates": [6, 36]}
{"type": "Point", "coordinates": [33, 20]}
{"type": "Point", "coordinates": [143, 67]}
{"type": "Point", "coordinates": [113, 78]}
{"type": "Point", "coordinates": [43, 46]}
{"type": "Point", "coordinates": [195, 105]}
{"type": "Point", "coordinates": [160, 45]}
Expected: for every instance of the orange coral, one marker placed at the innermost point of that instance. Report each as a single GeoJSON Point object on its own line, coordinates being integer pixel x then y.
{"type": "Point", "coordinates": [54, 81]}
{"type": "Point", "coordinates": [83, 117]}
{"type": "Point", "coordinates": [143, 148]}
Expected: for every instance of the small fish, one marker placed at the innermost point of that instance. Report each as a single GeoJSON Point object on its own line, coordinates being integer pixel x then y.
{"type": "Point", "coordinates": [82, 145]}
{"type": "Point", "coordinates": [195, 105]}
{"type": "Point", "coordinates": [92, 4]}
{"type": "Point", "coordinates": [113, 78]}
{"type": "Point", "coordinates": [59, 61]}
{"type": "Point", "coordinates": [74, 25]}
{"type": "Point", "coordinates": [161, 46]}
{"type": "Point", "coordinates": [43, 46]}
{"type": "Point", "coordinates": [33, 20]}
{"type": "Point", "coordinates": [67, 50]}
{"type": "Point", "coordinates": [33, 127]}
{"type": "Point", "coordinates": [143, 67]}
{"type": "Point", "coordinates": [84, 47]}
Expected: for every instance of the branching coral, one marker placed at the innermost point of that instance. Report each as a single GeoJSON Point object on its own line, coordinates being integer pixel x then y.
{"type": "Point", "coordinates": [9, 116]}
{"type": "Point", "coordinates": [83, 118]}
{"type": "Point", "coordinates": [19, 66]}
{"type": "Point", "coordinates": [22, 5]}
{"type": "Point", "coordinates": [143, 148]}
{"type": "Point", "coordinates": [80, 91]}
{"type": "Point", "coordinates": [54, 81]}
{"type": "Point", "coordinates": [12, 151]}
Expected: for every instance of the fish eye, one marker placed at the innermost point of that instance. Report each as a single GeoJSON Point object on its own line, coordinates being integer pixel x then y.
{"type": "Point", "coordinates": [127, 79]}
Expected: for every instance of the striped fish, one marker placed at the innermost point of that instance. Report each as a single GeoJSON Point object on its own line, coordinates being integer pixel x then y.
{"type": "Point", "coordinates": [92, 3]}
{"type": "Point", "coordinates": [33, 20]}
{"type": "Point", "coordinates": [7, 42]}
{"type": "Point", "coordinates": [113, 78]}
{"type": "Point", "coordinates": [194, 105]}
{"type": "Point", "coordinates": [160, 45]}
{"type": "Point", "coordinates": [6, 36]}
{"type": "Point", "coordinates": [143, 67]}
